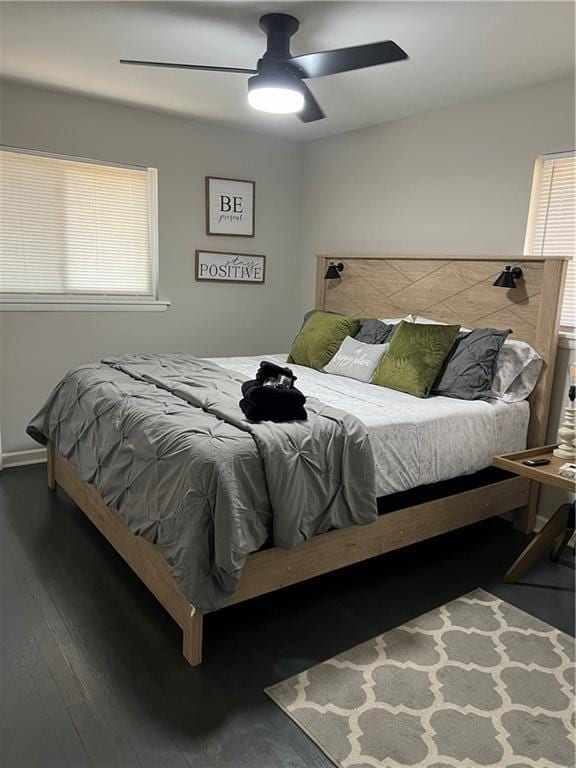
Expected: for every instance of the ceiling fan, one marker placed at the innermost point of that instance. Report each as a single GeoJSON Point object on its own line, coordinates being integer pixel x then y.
{"type": "Point", "coordinates": [277, 83]}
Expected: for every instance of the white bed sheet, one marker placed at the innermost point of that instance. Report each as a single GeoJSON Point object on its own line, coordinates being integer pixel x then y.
{"type": "Point", "coordinates": [416, 441]}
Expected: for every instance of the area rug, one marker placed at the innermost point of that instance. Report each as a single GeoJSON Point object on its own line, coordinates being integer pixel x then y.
{"type": "Point", "coordinates": [475, 682]}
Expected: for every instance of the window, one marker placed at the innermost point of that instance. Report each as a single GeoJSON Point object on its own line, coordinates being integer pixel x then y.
{"type": "Point", "coordinates": [75, 230]}
{"type": "Point", "coordinates": [552, 220]}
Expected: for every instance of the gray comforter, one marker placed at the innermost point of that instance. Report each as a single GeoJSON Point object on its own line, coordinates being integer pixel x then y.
{"type": "Point", "coordinates": [164, 441]}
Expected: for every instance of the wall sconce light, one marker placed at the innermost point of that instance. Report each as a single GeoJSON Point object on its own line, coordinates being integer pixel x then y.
{"type": "Point", "coordinates": [333, 271]}
{"type": "Point", "coordinates": [507, 278]}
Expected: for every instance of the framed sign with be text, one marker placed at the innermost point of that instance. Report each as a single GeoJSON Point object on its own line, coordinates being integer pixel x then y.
{"type": "Point", "coordinates": [229, 207]}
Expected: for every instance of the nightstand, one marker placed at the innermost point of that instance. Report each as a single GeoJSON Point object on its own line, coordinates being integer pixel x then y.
{"type": "Point", "coordinates": [559, 529]}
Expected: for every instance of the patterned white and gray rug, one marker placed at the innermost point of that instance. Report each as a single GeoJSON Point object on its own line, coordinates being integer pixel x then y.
{"type": "Point", "coordinates": [475, 682]}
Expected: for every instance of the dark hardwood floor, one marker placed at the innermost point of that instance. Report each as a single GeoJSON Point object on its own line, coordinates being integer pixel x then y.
{"type": "Point", "coordinates": [91, 669]}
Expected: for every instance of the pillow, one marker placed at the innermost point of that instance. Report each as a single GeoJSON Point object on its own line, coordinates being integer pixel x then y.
{"type": "Point", "coordinates": [375, 331]}
{"type": "Point", "coordinates": [518, 367]}
{"type": "Point", "coordinates": [397, 320]}
{"type": "Point", "coordinates": [356, 359]}
{"type": "Point", "coordinates": [416, 355]}
{"type": "Point", "coordinates": [428, 321]}
{"type": "Point", "coordinates": [320, 339]}
{"type": "Point", "coordinates": [469, 369]}
{"type": "Point", "coordinates": [311, 312]}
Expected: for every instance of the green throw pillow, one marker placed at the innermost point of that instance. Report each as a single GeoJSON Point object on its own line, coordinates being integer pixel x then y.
{"type": "Point", "coordinates": [320, 339]}
{"type": "Point", "coordinates": [416, 355]}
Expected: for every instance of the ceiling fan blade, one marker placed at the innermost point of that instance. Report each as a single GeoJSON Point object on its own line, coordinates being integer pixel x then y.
{"type": "Point", "coordinates": [201, 67]}
{"type": "Point", "coordinates": [312, 110]}
{"type": "Point", "coordinates": [347, 59]}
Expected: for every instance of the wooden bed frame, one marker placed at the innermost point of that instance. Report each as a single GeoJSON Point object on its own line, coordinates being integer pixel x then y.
{"type": "Point", "coordinates": [446, 288]}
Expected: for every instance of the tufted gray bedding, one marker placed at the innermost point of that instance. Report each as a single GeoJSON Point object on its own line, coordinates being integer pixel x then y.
{"type": "Point", "coordinates": [164, 441]}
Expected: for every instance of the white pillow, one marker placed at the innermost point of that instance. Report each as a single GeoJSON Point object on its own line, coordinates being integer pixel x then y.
{"type": "Point", "coordinates": [356, 359]}
{"type": "Point", "coordinates": [518, 367]}
{"type": "Point", "coordinates": [396, 320]}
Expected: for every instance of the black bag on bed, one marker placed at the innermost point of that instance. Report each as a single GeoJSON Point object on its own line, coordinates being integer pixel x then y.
{"type": "Point", "coordinates": [272, 396]}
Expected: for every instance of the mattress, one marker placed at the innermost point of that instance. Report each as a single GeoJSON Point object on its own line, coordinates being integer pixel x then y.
{"type": "Point", "coordinates": [416, 441]}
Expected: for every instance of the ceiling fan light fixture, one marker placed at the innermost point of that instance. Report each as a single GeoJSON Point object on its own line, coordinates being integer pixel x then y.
{"type": "Point", "coordinates": [280, 96]}
{"type": "Point", "coordinates": [278, 83]}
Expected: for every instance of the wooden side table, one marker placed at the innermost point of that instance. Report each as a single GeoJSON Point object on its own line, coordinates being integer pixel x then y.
{"type": "Point", "coordinates": [558, 531]}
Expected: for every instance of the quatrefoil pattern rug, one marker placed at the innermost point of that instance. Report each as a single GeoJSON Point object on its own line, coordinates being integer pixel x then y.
{"type": "Point", "coordinates": [476, 682]}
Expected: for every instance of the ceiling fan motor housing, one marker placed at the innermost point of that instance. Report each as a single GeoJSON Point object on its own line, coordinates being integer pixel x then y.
{"type": "Point", "coordinates": [274, 68]}
{"type": "Point", "coordinates": [279, 28]}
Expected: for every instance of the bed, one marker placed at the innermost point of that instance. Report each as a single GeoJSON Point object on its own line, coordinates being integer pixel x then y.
{"type": "Point", "coordinates": [407, 435]}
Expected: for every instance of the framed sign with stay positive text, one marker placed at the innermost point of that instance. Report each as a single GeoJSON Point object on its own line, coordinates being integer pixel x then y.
{"type": "Point", "coordinates": [230, 207]}
{"type": "Point", "coordinates": [230, 267]}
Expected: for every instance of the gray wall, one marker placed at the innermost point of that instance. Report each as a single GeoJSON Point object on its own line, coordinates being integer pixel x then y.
{"type": "Point", "coordinates": [456, 180]}
{"type": "Point", "coordinates": [37, 347]}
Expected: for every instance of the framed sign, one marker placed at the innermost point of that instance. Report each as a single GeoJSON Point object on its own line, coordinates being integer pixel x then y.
{"type": "Point", "coordinates": [230, 267]}
{"type": "Point", "coordinates": [229, 207]}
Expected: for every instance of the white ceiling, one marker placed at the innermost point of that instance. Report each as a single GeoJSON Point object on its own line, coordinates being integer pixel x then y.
{"type": "Point", "coordinates": [458, 51]}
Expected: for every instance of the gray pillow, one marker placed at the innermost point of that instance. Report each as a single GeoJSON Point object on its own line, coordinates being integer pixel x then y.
{"type": "Point", "coordinates": [356, 359]}
{"type": "Point", "coordinates": [470, 367]}
{"type": "Point", "coordinates": [375, 332]}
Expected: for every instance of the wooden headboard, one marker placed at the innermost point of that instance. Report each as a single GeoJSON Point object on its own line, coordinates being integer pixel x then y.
{"type": "Point", "coordinates": [457, 289]}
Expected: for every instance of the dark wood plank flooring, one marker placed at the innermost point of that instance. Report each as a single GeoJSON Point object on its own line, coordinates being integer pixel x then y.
{"type": "Point", "coordinates": [91, 668]}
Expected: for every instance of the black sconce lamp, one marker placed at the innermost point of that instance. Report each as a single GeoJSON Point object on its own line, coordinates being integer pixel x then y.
{"type": "Point", "coordinates": [507, 278]}
{"type": "Point", "coordinates": [333, 271]}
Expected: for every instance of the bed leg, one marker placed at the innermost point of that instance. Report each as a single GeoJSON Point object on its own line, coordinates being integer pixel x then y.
{"type": "Point", "coordinates": [51, 466]}
{"type": "Point", "coordinates": [525, 518]}
{"type": "Point", "coordinates": [192, 645]}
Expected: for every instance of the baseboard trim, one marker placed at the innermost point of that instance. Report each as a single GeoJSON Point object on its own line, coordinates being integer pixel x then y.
{"type": "Point", "coordinates": [23, 458]}
{"type": "Point", "coordinates": [540, 522]}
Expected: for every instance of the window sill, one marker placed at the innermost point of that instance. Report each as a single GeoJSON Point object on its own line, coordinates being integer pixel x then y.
{"type": "Point", "coordinates": [567, 340]}
{"type": "Point", "coordinates": [83, 305]}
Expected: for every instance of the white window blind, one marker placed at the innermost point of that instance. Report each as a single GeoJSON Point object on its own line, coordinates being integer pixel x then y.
{"type": "Point", "coordinates": [71, 227]}
{"type": "Point", "coordinates": [552, 220]}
